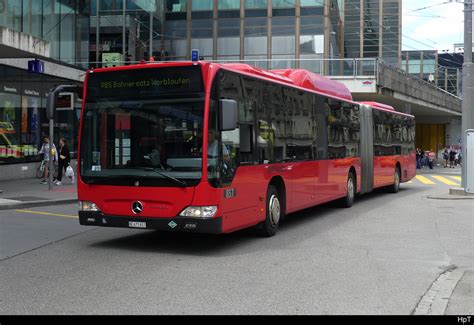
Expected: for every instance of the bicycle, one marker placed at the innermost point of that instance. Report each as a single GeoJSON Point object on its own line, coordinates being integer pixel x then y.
{"type": "Point", "coordinates": [42, 167]}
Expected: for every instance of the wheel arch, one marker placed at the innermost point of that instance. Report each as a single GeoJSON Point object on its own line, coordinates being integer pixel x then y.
{"type": "Point", "coordinates": [279, 184]}
{"type": "Point", "coordinates": [353, 171]}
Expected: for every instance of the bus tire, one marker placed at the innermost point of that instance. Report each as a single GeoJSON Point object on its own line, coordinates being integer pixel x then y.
{"type": "Point", "coordinates": [273, 214]}
{"type": "Point", "coordinates": [395, 187]}
{"type": "Point", "coordinates": [351, 187]}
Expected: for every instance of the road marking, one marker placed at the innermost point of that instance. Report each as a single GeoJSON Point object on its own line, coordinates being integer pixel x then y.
{"type": "Point", "coordinates": [458, 178]}
{"type": "Point", "coordinates": [424, 180]}
{"type": "Point", "coordinates": [48, 214]}
{"type": "Point", "coordinates": [445, 180]}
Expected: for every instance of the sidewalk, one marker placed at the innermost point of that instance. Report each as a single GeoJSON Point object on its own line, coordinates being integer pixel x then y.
{"type": "Point", "coordinates": [440, 169]}
{"type": "Point", "coordinates": [25, 193]}
{"type": "Point", "coordinates": [461, 301]}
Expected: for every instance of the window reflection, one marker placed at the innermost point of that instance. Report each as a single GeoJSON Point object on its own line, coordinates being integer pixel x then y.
{"type": "Point", "coordinates": [343, 129]}
{"type": "Point", "coordinates": [203, 4]}
{"type": "Point", "coordinates": [394, 134]}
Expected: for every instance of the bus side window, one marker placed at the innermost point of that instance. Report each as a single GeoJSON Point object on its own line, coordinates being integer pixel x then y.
{"type": "Point", "coordinates": [246, 140]}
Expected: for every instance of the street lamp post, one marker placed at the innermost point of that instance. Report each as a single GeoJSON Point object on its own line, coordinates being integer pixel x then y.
{"type": "Point", "coordinates": [468, 88]}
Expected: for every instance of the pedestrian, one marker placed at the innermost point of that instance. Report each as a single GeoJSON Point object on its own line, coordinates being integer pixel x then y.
{"type": "Point", "coordinates": [418, 158]}
{"type": "Point", "coordinates": [446, 157]}
{"type": "Point", "coordinates": [64, 160]}
{"type": "Point", "coordinates": [46, 152]}
{"type": "Point", "coordinates": [452, 155]}
{"type": "Point", "coordinates": [423, 159]}
{"type": "Point", "coordinates": [431, 158]}
{"type": "Point", "coordinates": [456, 159]}
{"type": "Point", "coordinates": [459, 158]}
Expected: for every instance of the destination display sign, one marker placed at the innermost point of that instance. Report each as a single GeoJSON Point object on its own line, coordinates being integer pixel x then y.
{"type": "Point", "coordinates": [144, 83]}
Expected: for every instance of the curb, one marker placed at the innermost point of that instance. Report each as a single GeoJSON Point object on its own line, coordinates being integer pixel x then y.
{"type": "Point", "coordinates": [435, 301]}
{"type": "Point", "coordinates": [22, 205]}
{"type": "Point", "coordinates": [449, 197]}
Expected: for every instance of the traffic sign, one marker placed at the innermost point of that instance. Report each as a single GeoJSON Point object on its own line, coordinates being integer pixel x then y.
{"type": "Point", "coordinates": [36, 66]}
{"type": "Point", "coordinates": [194, 55]}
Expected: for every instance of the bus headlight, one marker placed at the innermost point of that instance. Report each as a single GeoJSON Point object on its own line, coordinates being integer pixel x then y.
{"type": "Point", "coordinates": [88, 206]}
{"type": "Point", "coordinates": [206, 212]}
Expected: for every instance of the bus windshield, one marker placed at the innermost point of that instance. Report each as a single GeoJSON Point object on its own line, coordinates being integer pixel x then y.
{"type": "Point", "coordinates": [150, 139]}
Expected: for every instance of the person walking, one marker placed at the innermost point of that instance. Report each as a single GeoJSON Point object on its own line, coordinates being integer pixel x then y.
{"type": "Point", "coordinates": [431, 157]}
{"type": "Point", "coordinates": [418, 158]}
{"type": "Point", "coordinates": [458, 159]}
{"type": "Point", "coordinates": [46, 151]}
{"type": "Point", "coordinates": [423, 159]}
{"type": "Point", "coordinates": [446, 157]}
{"type": "Point", "coordinates": [64, 160]}
{"type": "Point", "coordinates": [452, 155]}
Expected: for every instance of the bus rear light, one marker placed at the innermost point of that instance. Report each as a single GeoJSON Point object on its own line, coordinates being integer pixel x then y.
{"type": "Point", "coordinates": [88, 206]}
{"type": "Point", "coordinates": [205, 212]}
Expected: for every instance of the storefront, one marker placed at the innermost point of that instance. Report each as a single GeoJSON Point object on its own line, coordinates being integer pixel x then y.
{"type": "Point", "coordinates": [23, 122]}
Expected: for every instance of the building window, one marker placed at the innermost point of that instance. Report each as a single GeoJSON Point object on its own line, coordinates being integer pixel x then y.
{"type": "Point", "coordinates": [255, 4]}
{"type": "Point", "coordinates": [175, 39]}
{"type": "Point", "coordinates": [176, 5]}
{"type": "Point", "coordinates": [312, 3]}
{"type": "Point", "coordinates": [228, 41]}
{"type": "Point", "coordinates": [256, 32]}
{"type": "Point", "coordinates": [202, 4]}
{"type": "Point", "coordinates": [283, 3]}
{"type": "Point", "coordinates": [228, 4]}
{"type": "Point", "coordinates": [283, 36]}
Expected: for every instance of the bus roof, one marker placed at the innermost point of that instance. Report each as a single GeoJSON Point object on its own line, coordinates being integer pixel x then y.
{"type": "Point", "coordinates": [313, 81]}
{"type": "Point", "coordinates": [384, 107]}
{"type": "Point", "coordinates": [298, 77]}
{"type": "Point", "coordinates": [379, 105]}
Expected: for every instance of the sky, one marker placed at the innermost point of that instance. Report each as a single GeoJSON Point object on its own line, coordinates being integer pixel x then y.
{"type": "Point", "coordinates": [432, 25]}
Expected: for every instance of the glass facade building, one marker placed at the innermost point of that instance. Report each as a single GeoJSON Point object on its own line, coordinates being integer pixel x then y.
{"type": "Point", "coordinates": [229, 30]}
{"type": "Point", "coordinates": [290, 33]}
{"type": "Point", "coordinates": [128, 30]}
{"type": "Point", "coordinates": [64, 24]}
{"type": "Point", "coordinates": [372, 29]}
{"type": "Point", "coordinates": [23, 121]}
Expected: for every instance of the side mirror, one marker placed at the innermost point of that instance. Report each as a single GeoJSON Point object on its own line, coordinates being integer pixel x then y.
{"type": "Point", "coordinates": [228, 115]}
{"type": "Point", "coordinates": [53, 98]}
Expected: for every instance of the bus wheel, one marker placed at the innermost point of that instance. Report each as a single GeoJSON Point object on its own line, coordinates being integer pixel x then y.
{"type": "Point", "coordinates": [274, 213]}
{"type": "Point", "coordinates": [395, 187]}
{"type": "Point", "coordinates": [348, 201]}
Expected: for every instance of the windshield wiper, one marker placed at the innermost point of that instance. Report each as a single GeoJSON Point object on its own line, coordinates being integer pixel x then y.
{"type": "Point", "coordinates": [155, 170]}
{"type": "Point", "coordinates": [98, 179]}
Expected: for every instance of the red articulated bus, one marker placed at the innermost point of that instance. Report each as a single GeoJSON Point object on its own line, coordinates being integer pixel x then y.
{"type": "Point", "coordinates": [214, 148]}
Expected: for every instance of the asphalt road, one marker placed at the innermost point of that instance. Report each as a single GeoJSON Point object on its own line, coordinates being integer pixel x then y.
{"type": "Point", "coordinates": [379, 257]}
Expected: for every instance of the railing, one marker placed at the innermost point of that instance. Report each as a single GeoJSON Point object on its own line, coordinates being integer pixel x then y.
{"type": "Point", "coordinates": [352, 68]}
{"type": "Point", "coordinates": [327, 67]}
{"type": "Point", "coordinates": [416, 79]}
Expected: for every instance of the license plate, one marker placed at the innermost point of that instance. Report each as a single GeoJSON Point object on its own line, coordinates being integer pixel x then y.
{"type": "Point", "coordinates": [136, 224]}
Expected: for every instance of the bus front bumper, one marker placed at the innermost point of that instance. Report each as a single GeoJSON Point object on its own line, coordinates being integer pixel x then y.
{"type": "Point", "coordinates": [177, 224]}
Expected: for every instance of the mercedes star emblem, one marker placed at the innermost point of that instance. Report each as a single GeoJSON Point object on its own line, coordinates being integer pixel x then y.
{"type": "Point", "coordinates": [137, 207]}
